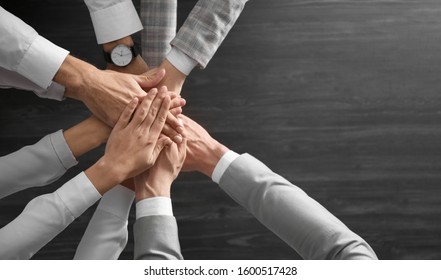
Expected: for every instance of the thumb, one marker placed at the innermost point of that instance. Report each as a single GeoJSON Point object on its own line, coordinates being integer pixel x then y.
{"type": "Point", "coordinates": [150, 78]}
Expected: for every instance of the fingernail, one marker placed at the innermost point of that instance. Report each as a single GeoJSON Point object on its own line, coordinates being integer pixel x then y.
{"type": "Point", "coordinates": [180, 122]}
{"type": "Point", "coordinates": [177, 139]}
{"type": "Point", "coordinates": [180, 129]}
{"type": "Point", "coordinates": [154, 91]}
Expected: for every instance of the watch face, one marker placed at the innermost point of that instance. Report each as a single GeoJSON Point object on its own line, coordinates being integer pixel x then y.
{"type": "Point", "coordinates": [121, 55]}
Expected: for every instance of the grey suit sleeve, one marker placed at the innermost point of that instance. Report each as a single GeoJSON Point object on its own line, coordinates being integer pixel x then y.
{"type": "Point", "coordinates": [206, 27]}
{"type": "Point", "coordinates": [290, 213]}
{"type": "Point", "coordinates": [156, 238]}
{"type": "Point", "coordinates": [35, 165]}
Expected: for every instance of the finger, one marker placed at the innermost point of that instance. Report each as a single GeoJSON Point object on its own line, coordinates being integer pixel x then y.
{"type": "Point", "coordinates": [171, 133]}
{"type": "Point", "coordinates": [150, 78]}
{"type": "Point", "coordinates": [176, 111]}
{"type": "Point", "coordinates": [175, 123]}
{"type": "Point", "coordinates": [177, 101]}
{"type": "Point", "coordinates": [182, 148]}
{"type": "Point", "coordinates": [155, 108]}
{"type": "Point", "coordinates": [125, 116]}
{"type": "Point", "coordinates": [157, 126]}
{"type": "Point", "coordinates": [143, 108]}
{"type": "Point", "coordinates": [160, 145]}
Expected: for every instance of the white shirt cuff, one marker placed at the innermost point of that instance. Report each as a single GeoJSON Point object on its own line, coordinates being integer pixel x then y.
{"type": "Point", "coordinates": [115, 22]}
{"type": "Point", "coordinates": [181, 61]}
{"type": "Point", "coordinates": [117, 201]}
{"type": "Point", "coordinates": [155, 206]}
{"type": "Point", "coordinates": [55, 91]}
{"type": "Point", "coordinates": [62, 150]}
{"type": "Point", "coordinates": [42, 61]}
{"type": "Point", "coordinates": [78, 194]}
{"type": "Point", "coordinates": [222, 165]}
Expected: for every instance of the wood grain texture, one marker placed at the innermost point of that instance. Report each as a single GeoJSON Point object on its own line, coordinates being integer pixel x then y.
{"type": "Point", "coordinates": [340, 97]}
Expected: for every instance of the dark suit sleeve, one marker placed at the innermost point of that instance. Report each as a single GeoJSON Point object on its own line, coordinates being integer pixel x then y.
{"type": "Point", "coordinates": [290, 213]}
{"type": "Point", "coordinates": [156, 238]}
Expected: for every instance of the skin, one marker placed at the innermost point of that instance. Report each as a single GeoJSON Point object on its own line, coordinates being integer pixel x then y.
{"type": "Point", "coordinates": [134, 143]}
{"type": "Point", "coordinates": [203, 151]}
{"type": "Point", "coordinates": [172, 129]}
{"type": "Point", "coordinates": [158, 179]}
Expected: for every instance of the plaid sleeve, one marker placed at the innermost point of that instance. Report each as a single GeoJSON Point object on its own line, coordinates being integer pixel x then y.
{"type": "Point", "coordinates": [206, 27]}
{"type": "Point", "coordinates": [159, 20]}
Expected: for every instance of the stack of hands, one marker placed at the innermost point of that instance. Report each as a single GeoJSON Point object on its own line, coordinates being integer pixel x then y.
{"type": "Point", "coordinates": [138, 112]}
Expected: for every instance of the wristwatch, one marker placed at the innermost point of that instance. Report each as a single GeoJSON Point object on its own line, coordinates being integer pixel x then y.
{"type": "Point", "coordinates": [121, 55]}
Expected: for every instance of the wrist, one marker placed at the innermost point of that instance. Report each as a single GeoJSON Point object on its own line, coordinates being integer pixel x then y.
{"type": "Point", "coordinates": [152, 188]}
{"type": "Point", "coordinates": [85, 136]}
{"type": "Point", "coordinates": [104, 175]}
{"type": "Point", "coordinates": [128, 41]}
{"type": "Point", "coordinates": [98, 130]}
{"type": "Point", "coordinates": [212, 158]}
{"type": "Point", "coordinates": [174, 79]}
{"type": "Point", "coordinates": [74, 74]}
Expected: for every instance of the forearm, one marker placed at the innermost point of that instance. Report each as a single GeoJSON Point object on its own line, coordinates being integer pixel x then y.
{"type": "Point", "coordinates": [159, 20]}
{"type": "Point", "coordinates": [104, 175]}
{"type": "Point", "coordinates": [156, 238]}
{"type": "Point", "coordinates": [113, 19]}
{"type": "Point", "coordinates": [11, 79]}
{"type": "Point", "coordinates": [26, 52]}
{"type": "Point", "coordinates": [296, 218]}
{"type": "Point", "coordinates": [206, 27]}
{"type": "Point", "coordinates": [137, 67]}
{"type": "Point", "coordinates": [107, 235]}
{"type": "Point", "coordinates": [45, 217]}
{"type": "Point", "coordinates": [75, 74]}
{"type": "Point", "coordinates": [36, 165]}
{"type": "Point", "coordinates": [87, 135]}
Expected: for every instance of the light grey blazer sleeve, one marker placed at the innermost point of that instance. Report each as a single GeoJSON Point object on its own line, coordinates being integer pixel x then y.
{"type": "Point", "coordinates": [290, 213]}
{"type": "Point", "coordinates": [35, 165]}
{"type": "Point", "coordinates": [206, 27]}
{"type": "Point", "coordinates": [156, 238]}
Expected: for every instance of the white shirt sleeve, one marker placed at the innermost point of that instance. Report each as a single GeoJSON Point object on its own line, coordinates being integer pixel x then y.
{"type": "Point", "coordinates": [23, 51]}
{"type": "Point", "coordinates": [35, 165]}
{"type": "Point", "coordinates": [11, 79]}
{"type": "Point", "coordinates": [45, 217]}
{"type": "Point", "coordinates": [223, 165]}
{"type": "Point", "coordinates": [181, 61]}
{"type": "Point", "coordinates": [155, 206]}
{"type": "Point", "coordinates": [113, 19]}
{"type": "Point", "coordinates": [106, 235]}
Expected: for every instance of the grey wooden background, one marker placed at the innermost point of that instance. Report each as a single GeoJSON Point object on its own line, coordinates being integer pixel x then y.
{"type": "Point", "coordinates": [340, 97]}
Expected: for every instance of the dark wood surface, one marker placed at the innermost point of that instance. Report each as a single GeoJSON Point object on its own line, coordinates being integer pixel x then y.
{"type": "Point", "coordinates": [340, 97]}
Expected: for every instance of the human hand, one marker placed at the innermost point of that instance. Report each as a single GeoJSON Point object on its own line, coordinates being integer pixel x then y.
{"type": "Point", "coordinates": [134, 143]}
{"type": "Point", "coordinates": [203, 151]}
{"type": "Point", "coordinates": [104, 92]}
{"type": "Point", "coordinates": [157, 180]}
{"type": "Point", "coordinates": [173, 127]}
